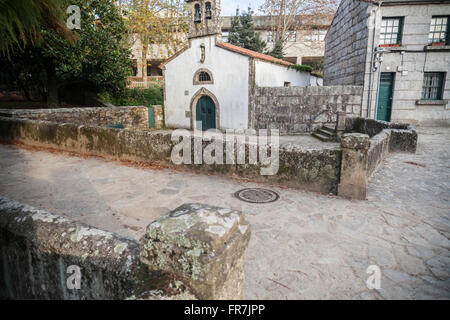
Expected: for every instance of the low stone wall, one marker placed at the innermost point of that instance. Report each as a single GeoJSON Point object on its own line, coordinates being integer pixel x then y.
{"type": "Point", "coordinates": [196, 251]}
{"type": "Point", "coordinates": [403, 136]}
{"type": "Point", "coordinates": [302, 109]}
{"type": "Point", "coordinates": [365, 145]}
{"type": "Point", "coordinates": [38, 247]}
{"type": "Point", "coordinates": [378, 151]}
{"type": "Point", "coordinates": [314, 170]}
{"type": "Point", "coordinates": [129, 117]}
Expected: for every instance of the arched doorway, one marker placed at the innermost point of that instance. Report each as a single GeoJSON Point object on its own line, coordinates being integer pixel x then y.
{"type": "Point", "coordinates": [206, 113]}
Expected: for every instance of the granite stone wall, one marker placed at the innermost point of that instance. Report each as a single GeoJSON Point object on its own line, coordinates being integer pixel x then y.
{"type": "Point", "coordinates": [195, 251]}
{"type": "Point", "coordinates": [378, 151]}
{"type": "Point", "coordinates": [403, 136]}
{"type": "Point", "coordinates": [346, 44]}
{"type": "Point", "coordinates": [355, 35]}
{"type": "Point", "coordinates": [313, 170]}
{"type": "Point", "coordinates": [128, 117]}
{"type": "Point", "coordinates": [384, 137]}
{"type": "Point", "coordinates": [37, 248]}
{"type": "Point", "coordinates": [302, 109]}
{"type": "Point", "coordinates": [408, 62]}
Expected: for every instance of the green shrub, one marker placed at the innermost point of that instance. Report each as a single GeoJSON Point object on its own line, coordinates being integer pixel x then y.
{"type": "Point", "coordinates": [154, 95]}
{"type": "Point", "coordinates": [301, 68]}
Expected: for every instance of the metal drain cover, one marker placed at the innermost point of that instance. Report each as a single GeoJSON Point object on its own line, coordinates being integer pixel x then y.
{"type": "Point", "coordinates": [257, 195]}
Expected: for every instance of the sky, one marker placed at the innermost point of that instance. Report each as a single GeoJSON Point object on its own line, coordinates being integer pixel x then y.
{"type": "Point", "coordinates": [229, 6]}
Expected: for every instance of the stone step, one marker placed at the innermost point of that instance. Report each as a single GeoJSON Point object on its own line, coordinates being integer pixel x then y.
{"type": "Point", "coordinates": [329, 127]}
{"type": "Point", "coordinates": [326, 132]}
{"type": "Point", "coordinates": [321, 137]}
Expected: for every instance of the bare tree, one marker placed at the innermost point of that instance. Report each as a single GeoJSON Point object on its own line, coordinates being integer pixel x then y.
{"type": "Point", "coordinates": [297, 15]}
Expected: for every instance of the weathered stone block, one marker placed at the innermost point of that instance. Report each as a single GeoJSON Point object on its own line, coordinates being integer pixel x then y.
{"type": "Point", "coordinates": [404, 140]}
{"type": "Point", "coordinates": [357, 141]}
{"type": "Point", "coordinates": [353, 183]}
{"type": "Point", "coordinates": [203, 246]}
{"type": "Point", "coordinates": [159, 116]}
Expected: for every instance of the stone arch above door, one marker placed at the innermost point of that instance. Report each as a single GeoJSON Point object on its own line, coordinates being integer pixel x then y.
{"type": "Point", "coordinates": [201, 93]}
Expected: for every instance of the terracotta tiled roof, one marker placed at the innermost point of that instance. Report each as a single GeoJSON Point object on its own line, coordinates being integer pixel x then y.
{"type": "Point", "coordinates": [251, 53]}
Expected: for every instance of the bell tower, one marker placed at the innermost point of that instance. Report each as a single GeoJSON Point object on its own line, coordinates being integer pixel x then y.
{"type": "Point", "coordinates": [204, 18]}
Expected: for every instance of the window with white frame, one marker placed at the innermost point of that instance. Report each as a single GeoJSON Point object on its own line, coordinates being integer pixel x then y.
{"type": "Point", "coordinates": [225, 36]}
{"type": "Point", "coordinates": [315, 35]}
{"type": "Point", "coordinates": [391, 31]}
{"type": "Point", "coordinates": [291, 36]}
{"type": "Point", "coordinates": [433, 85]}
{"type": "Point", "coordinates": [439, 30]}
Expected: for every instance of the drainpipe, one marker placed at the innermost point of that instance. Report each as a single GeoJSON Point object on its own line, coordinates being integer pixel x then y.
{"type": "Point", "coordinates": [372, 56]}
{"type": "Point", "coordinates": [380, 59]}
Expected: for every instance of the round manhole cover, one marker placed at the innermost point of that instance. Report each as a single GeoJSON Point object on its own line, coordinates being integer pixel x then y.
{"type": "Point", "coordinates": [257, 195]}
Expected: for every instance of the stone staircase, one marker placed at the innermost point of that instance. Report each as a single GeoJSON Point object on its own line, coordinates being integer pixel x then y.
{"type": "Point", "coordinates": [327, 133]}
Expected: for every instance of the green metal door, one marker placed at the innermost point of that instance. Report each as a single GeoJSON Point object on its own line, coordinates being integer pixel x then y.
{"type": "Point", "coordinates": [151, 117]}
{"type": "Point", "coordinates": [206, 113]}
{"type": "Point", "coordinates": [384, 107]}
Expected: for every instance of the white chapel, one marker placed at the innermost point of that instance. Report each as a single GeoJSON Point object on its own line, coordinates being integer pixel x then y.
{"type": "Point", "coordinates": [211, 82]}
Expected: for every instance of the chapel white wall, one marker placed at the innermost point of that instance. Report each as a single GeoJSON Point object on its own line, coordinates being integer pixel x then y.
{"type": "Point", "coordinates": [231, 77]}
{"type": "Point", "coordinates": [268, 74]}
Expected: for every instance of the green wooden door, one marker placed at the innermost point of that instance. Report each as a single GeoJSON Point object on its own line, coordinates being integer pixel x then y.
{"type": "Point", "coordinates": [151, 117]}
{"type": "Point", "coordinates": [206, 113]}
{"type": "Point", "coordinates": [384, 108]}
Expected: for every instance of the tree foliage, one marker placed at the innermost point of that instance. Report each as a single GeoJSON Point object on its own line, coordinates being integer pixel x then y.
{"type": "Point", "coordinates": [158, 26]}
{"type": "Point", "coordinates": [21, 22]}
{"type": "Point", "coordinates": [243, 32]}
{"type": "Point", "coordinates": [153, 95]}
{"type": "Point", "coordinates": [278, 49]}
{"type": "Point", "coordinates": [99, 56]}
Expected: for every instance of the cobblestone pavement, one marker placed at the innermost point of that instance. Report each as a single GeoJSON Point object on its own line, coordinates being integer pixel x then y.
{"type": "Point", "coordinates": [304, 246]}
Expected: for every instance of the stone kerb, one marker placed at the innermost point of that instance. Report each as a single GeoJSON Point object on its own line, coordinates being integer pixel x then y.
{"type": "Point", "coordinates": [38, 248]}
{"type": "Point", "coordinates": [353, 182]}
{"type": "Point", "coordinates": [195, 251]}
{"type": "Point", "coordinates": [203, 246]}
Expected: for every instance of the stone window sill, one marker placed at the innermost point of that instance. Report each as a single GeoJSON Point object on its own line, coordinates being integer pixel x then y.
{"type": "Point", "coordinates": [437, 48]}
{"type": "Point", "coordinates": [432, 102]}
{"type": "Point", "coordinates": [400, 48]}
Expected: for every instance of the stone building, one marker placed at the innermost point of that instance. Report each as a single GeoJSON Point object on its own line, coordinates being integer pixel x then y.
{"type": "Point", "coordinates": [212, 81]}
{"type": "Point", "coordinates": [399, 51]}
{"type": "Point", "coordinates": [305, 44]}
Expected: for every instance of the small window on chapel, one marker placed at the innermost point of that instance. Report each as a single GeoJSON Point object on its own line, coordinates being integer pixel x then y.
{"type": "Point", "coordinates": [198, 14]}
{"type": "Point", "coordinates": [208, 13]}
{"type": "Point", "coordinates": [204, 77]}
